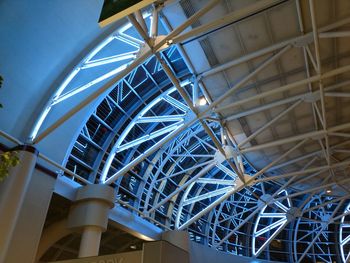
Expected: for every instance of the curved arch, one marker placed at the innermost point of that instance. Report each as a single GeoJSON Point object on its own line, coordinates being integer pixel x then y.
{"type": "Point", "coordinates": [95, 64]}
{"type": "Point", "coordinates": [169, 151]}
{"type": "Point", "coordinates": [231, 218]}
{"type": "Point", "coordinates": [176, 122]}
{"type": "Point", "coordinates": [51, 235]}
{"type": "Point", "coordinates": [344, 235]}
{"type": "Point", "coordinates": [274, 221]}
{"type": "Point", "coordinates": [311, 229]}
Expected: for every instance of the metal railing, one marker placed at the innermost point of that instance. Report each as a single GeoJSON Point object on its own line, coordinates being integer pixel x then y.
{"type": "Point", "coordinates": [14, 140]}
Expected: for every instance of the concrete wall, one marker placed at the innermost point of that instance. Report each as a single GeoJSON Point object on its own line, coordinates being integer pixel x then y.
{"type": "Point", "coordinates": [31, 219]}
{"type": "Point", "coordinates": [202, 254]}
{"type": "Point", "coordinates": [128, 257]}
{"type": "Point", "coordinates": [164, 252]}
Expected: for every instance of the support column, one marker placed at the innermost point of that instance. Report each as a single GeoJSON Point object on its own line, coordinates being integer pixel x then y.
{"type": "Point", "coordinates": [89, 215]}
{"type": "Point", "coordinates": [178, 238]}
{"type": "Point", "coordinates": [12, 193]}
{"type": "Point", "coordinates": [90, 241]}
{"type": "Point", "coordinates": [173, 248]}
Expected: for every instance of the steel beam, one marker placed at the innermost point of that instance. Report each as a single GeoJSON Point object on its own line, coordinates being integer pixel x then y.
{"type": "Point", "coordinates": [268, 124]}
{"type": "Point", "coordinates": [229, 19]}
{"type": "Point", "coordinates": [122, 74]}
{"type": "Point", "coordinates": [270, 49]}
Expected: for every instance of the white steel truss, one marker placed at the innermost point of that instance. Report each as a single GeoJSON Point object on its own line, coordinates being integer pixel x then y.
{"type": "Point", "coordinates": [180, 174]}
{"type": "Point", "coordinates": [276, 221]}
{"type": "Point", "coordinates": [344, 236]}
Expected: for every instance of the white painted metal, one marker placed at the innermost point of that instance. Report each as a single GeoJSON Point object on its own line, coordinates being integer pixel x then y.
{"type": "Point", "coordinates": [279, 219]}
{"type": "Point", "coordinates": [344, 236]}
{"type": "Point", "coordinates": [278, 97]}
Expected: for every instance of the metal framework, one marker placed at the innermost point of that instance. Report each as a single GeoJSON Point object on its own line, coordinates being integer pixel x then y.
{"type": "Point", "coordinates": [312, 230]}
{"type": "Point", "coordinates": [344, 235]}
{"type": "Point", "coordinates": [275, 222]}
{"type": "Point", "coordinates": [180, 164]}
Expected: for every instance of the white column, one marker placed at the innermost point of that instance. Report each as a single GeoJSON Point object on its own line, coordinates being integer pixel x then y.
{"type": "Point", "coordinates": [90, 241]}
{"type": "Point", "coordinates": [31, 219]}
{"type": "Point", "coordinates": [12, 193]}
{"type": "Point", "coordinates": [89, 215]}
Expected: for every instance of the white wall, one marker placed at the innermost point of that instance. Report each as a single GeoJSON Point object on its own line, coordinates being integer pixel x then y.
{"type": "Point", "coordinates": [40, 42]}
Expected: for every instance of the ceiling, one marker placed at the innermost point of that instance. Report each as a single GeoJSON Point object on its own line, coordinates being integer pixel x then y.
{"type": "Point", "coordinates": [277, 108]}
{"type": "Point", "coordinates": [269, 147]}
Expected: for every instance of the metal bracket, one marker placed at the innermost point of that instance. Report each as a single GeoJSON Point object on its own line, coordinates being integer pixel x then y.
{"type": "Point", "coordinates": [311, 97]}
{"type": "Point", "coordinates": [264, 200]}
{"type": "Point", "coordinates": [303, 41]}
{"type": "Point", "coordinates": [293, 213]}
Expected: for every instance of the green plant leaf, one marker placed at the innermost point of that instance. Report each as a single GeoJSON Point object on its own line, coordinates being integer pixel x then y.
{"type": "Point", "coordinates": [7, 160]}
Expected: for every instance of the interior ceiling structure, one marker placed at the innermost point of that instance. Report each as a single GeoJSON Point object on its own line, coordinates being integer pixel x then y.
{"type": "Point", "coordinates": [226, 118]}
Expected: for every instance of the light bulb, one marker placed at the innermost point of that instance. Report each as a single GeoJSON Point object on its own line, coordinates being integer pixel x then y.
{"type": "Point", "coordinates": [202, 101]}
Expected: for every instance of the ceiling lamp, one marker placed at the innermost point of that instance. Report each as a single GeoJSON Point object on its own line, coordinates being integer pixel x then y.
{"type": "Point", "coordinates": [202, 101]}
